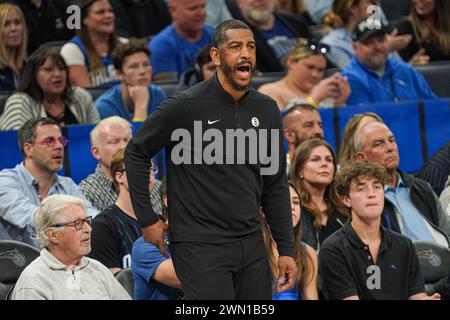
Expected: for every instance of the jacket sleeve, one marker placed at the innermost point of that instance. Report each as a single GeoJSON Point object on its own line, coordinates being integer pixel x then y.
{"type": "Point", "coordinates": [275, 198]}
{"type": "Point", "coordinates": [152, 136]}
{"type": "Point", "coordinates": [17, 111]}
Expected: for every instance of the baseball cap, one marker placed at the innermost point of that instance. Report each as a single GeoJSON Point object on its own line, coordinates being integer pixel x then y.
{"type": "Point", "coordinates": [367, 28]}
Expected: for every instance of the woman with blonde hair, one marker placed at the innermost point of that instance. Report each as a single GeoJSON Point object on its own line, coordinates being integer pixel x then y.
{"type": "Point", "coordinates": [347, 148]}
{"type": "Point", "coordinates": [429, 23]}
{"type": "Point", "coordinates": [306, 257]}
{"type": "Point", "coordinates": [312, 174]}
{"type": "Point", "coordinates": [304, 80]}
{"type": "Point", "coordinates": [88, 53]}
{"type": "Point", "coordinates": [13, 45]}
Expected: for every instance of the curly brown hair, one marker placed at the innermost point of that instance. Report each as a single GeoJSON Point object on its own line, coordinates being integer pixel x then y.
{"type": "Point", "coordinates": [354, 170]}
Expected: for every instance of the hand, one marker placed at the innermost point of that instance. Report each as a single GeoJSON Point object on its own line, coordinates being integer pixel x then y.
{"type": "Point", "coordinates": [155, 235]}
{"type": "Point", "coordinates": [435, 296]}
{"type": "Point", "coordinates": [397, 43]}
{"type": "Point", "coordinates": [140, 97]}
{"type": "Point", "coordinates": [344, 89]}
{"type": "Point", "coordinates": [420, 57]}
{"type": "Point", "coordinates": [288, 273]}
{"type": "Point", "coordinates": [326, 88]}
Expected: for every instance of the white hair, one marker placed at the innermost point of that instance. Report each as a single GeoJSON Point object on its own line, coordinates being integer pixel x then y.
{"type": "Point", "coordinates": [47, 214]}
{"type": "Point", "coordinates": [93, 136]}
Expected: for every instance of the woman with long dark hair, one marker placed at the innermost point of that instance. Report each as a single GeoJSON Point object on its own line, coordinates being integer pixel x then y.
{"type": "Point", "coordinates": [312, 172]}
{"type": "Point", "coordinates": [429, 24]}
{"type": "Point", "coordinates": [88, 53]}
{"type": "Point", "coordinates": [44, 91]}
{"type": "Point", "coordinates": [305, 257]}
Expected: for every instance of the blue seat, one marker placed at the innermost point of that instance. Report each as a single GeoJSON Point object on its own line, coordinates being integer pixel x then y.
{"type": "Point", "coordinates": [437, 124]}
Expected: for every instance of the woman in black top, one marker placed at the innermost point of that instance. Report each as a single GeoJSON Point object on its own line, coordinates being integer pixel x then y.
{"type": "Point", "coordinates": [312, 173]}
{"type": "Point", "coordinates": [429, 24]}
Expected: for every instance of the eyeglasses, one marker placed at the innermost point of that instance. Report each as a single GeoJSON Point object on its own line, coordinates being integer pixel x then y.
{"type": "Point", "coordinates": [78, 224]}
{"type": "Point", "coordinates": [51, 141]}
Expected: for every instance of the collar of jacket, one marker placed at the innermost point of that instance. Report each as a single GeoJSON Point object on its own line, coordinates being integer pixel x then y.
{"type": "Point", "coordinates": [214, 81]}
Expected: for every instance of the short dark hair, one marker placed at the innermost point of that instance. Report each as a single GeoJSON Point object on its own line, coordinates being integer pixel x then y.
{"type": "Point", "coordinates": [124, 50]}
{"type": "Point", "coordinates": [117, 165]}
{"type": "Point", "coordinates": [219, 36]}
{"type": "Point", "coordinates": [27, 132]}
{"type": "Point", "coordinates": [28, 83]}
{"type": "Point", "coordinates": [355, 169]}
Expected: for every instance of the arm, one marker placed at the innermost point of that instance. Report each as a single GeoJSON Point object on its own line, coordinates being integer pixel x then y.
{"type": "Point", "coordinates": [28, 294]}
{"type": "Point", "coordinates": [15, 207]}
{"type": "Point", "coordinates": [309, 291]}
{"type": "Point", "coordinates": [78, 71]}
{"type": "Point", "coordinates": [165, 273]}
{"type": "Point", "coordinates": [270, 90]}
{"type": "Point", "coordinates": [337, 281]}
{"type": "Point", "coordinates": [152, 136]}
{"type": "Point", "coordinates": [17, 111]}
{"type": "Point", "coordinates": [88, 113]}
{"type": "Point", "coordinates": [276, 205]}
{"type": "Point", "coordinates": [150, 264]}
{"type": "Point", "coordinates": [79, 76]}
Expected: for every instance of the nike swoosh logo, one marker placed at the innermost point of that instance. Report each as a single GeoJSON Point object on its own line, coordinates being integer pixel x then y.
{"type": "Point", "coordinates": [211, 122]}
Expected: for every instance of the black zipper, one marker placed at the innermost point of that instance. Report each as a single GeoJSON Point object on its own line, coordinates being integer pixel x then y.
{"type": "Point", "coordinates": [236, 115]}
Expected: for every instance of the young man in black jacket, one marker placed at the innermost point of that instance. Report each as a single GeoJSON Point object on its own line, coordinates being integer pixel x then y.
{"type": "Point", "coordinates": [216, 187]}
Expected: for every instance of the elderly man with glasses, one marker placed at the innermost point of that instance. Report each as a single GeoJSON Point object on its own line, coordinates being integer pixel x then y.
{"type": "Point", "coordinates": [24, 187]}
{"type": "Point", "coordinates": [62, 272]}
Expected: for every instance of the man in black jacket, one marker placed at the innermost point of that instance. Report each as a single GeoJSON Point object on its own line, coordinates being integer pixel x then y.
{"type": "Point", "coordinates": [275, 33]}
{"type": "Point", "coordinates": [412, 208]}
{"type": "Point", "coordinates": [216, 189]}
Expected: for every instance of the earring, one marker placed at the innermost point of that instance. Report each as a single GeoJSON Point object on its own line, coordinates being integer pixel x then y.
{"type": "Point", "coordinates": [301, 177]}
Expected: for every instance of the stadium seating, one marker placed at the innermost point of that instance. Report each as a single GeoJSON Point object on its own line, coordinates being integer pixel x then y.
{"type": "Point", "coordinates": [14, 258]}
{"type": "Point", "coordinates": [434, 262]}
{"type": "Point", "coordinates": [437, 75]}
{"type": "Point", "coordinates": [125, 278]}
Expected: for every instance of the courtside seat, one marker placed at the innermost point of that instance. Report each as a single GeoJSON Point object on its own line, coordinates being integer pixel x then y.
{"type": "Point", "coordinates": [14, 258]}
{"type": "Point", "coordinates": [169, 86]}
{"type": "Point", "coordinates": [262, 78]}
{"type": "Point", "coordinates": [437, 74]}
{"type": "Point", "coordinates": [434, 262]}
{"type": "Point", "coordinates": [125, 278]}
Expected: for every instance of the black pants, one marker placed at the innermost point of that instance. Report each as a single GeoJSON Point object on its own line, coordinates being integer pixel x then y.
{"type": "Point", "coordinates": [237, 270]}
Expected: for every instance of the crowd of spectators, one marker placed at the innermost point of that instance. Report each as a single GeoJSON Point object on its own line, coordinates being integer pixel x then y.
{"type": "Point", "coordinates": [342, 206]}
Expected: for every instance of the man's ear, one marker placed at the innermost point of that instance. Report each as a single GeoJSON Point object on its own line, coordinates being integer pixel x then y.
{"type": "Point", "coordinates": [215, 56]}
{"type": "Point", "coordinates": [52, 235]}
{"type": "Point", "coordinates": [119, 75]}
{"type": "Point", "coordinates": [346, 201]}
{"type": "Point", "coordinates": [360, 156]}
{"type": "Point", "coordinates": [27, 149]}
{"type": "Point", "coordinates": [289, 135]}
{"type": "Point", "coordinates": [95, 152]}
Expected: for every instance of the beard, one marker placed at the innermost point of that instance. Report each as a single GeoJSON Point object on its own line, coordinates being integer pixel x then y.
{"type": "Point", "coordinates": [228, 72]}
{"type": "Point", "coordinates": [261, 15]}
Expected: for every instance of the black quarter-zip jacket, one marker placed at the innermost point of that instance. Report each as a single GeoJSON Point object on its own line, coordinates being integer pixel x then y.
{"type": "Point", "coordinates": [215, 203]}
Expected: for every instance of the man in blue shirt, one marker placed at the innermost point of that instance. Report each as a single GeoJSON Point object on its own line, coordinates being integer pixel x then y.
{"type": "Point", "coordinates": [134, 98]}
{"type": "Point", "coordinates": [174, 49]}
{"type": "Point", "coordinates": [24, 187]}
{"type": "Point", "coordinates": [375, 78]}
